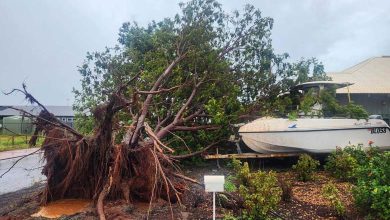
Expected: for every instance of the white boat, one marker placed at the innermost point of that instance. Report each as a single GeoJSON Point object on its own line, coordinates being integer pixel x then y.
{"type": "Point", "coordinates": [278, 135]}
{"type": "Point", "coordinates": [313, 135]}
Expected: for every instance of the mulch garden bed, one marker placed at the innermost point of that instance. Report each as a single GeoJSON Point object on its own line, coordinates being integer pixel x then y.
{"type": "Point", "coordinates": [306, 203]}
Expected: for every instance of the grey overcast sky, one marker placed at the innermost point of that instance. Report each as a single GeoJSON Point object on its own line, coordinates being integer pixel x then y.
{"type": "Point", "coordinates": [43, 41]}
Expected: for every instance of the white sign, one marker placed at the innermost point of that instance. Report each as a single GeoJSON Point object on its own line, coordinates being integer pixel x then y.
{"type": "Point", "coordinates": [214, 183]}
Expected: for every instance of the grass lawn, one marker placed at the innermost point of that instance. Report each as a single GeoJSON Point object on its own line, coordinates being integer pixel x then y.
{"type": "Point", "coordinates": [9, 142]}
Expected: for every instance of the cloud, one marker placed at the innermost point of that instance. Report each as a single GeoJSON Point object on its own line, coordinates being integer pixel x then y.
{"type": "Point", "coordinates": [339, 33]}
{"type": "Point", "coordinates": [42, 42]}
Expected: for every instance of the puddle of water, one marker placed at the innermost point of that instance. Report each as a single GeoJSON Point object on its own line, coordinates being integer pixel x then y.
{"type": "Point", "coordinates": [59, 208]}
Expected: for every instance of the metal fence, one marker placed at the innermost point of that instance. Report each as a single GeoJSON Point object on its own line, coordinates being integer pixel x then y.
{"type": "Point", "coordinates": [21, 128]}
{"type": "Point", "coordinates": [18, 128]}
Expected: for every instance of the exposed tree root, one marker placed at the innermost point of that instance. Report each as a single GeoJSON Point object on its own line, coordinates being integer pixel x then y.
{"type": "Point", "coordinates": [102, 196]}
{"type": "Point", "coordinates": [95, 167]}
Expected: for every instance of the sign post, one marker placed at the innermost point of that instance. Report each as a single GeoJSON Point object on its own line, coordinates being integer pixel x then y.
{"type": "Point", "coordinates": [214, 184]}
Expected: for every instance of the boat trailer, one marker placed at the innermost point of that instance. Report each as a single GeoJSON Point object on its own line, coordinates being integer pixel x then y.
{"type": "Point", "coordinates": [249, 155]}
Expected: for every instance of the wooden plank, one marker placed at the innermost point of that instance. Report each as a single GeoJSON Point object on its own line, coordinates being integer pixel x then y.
{"type": "Point", "coordinates": [250, 155]}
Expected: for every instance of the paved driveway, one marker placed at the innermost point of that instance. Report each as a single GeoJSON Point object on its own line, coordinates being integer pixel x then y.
{"type": "Point", "coordinates": [25, 173]}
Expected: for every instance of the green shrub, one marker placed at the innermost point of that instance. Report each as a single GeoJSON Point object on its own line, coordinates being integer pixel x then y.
{"type": "Point", "coordinates": [371, 152]}
{"type": "Point", "coordinates": [259, 191]}
{"type": "Point", "coordinates": [370, 170]}
{"type": "Point", "coordinates": [358, 153]}
{"type": "Point", "coordinates": [229, 184]}
{"type": "Point", "coordinates": [242, 171]}
{"type": "Point", "coordinates": [372, 191]}
{"type": "Point", "coordinates": [331, 193]}
{"type": "Point", "coordinates": [229, 216]}
{"type": "Point", "coordinates": [292, 116]}
{"type": "Point", "coordinates": [305, 167]}
{"type": "Point", "coordinates": [342, 164]}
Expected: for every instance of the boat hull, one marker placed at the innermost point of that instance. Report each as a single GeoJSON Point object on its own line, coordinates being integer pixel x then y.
{"type": "Point", "coordinates": [303, 136]}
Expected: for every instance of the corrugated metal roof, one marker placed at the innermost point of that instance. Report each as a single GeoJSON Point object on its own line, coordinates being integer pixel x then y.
{"type": "Point", "coordinates": [56, 110]}
{"type": "Point", "coordinates": [369, 76]}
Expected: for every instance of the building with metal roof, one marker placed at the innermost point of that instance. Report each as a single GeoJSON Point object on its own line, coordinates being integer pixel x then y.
{"type": "Point", "coordinates": [371, 85]}
{"type": "Point", "coordinates": [63, 113]}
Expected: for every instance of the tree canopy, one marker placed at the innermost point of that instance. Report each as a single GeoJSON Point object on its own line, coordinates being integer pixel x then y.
{"type": "Point", "coordinates": [197, 72]}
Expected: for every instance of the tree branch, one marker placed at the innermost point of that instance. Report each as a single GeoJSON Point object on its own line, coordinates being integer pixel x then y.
{"type": "Point", "coordinates": [28, 96]}
{"type": "Point", "coordinates": [159, 125]}
{"type": "Point", "coordinates": [148, 100]}
{"type": "Point", "coordinates": [188, 102]}
{"type": "Point", "coordinates": [122, 87]}
{"type": "Point", "coordinates": [177, 120]}
{"type": "Point", "coordinates": [158, 91]}
{"type": "Point", "coordinates": [21, 158]}
{"type": "Point", "coordinates": [183, 156]}
{"type": "Point", "coordinates": [229, 47]}
{"type": "Point", "coordinates": [195, 128]}
{"type": "Point", "coordinates": [192, 116]}
{"type": "Point", "coordinates": [155, 139]}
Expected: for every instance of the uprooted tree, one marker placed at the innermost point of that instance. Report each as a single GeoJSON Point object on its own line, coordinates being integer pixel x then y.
{"type": "Point", "coordinates": [165, 93]}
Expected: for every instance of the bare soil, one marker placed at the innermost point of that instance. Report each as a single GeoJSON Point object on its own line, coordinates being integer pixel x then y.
{"type": "Point", "coordinates": [306, 203]}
